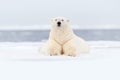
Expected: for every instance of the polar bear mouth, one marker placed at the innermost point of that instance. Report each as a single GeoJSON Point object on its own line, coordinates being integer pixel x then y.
{"type": "Point", "coordinates": [58, 24]}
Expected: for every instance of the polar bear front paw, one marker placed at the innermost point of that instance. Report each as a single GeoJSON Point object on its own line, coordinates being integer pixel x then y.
{"type": "Point", "coordinates": [69, 50]}
{"type": "Point", "coordinates": [70, 53]}
{"type": "Point", "coordinates": [54, 52]}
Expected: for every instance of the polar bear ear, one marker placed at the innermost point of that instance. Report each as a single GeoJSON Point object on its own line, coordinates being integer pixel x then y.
{"type": "Point", "coordinates": [51, 19]}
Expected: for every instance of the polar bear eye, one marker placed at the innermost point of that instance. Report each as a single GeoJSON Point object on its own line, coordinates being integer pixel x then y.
{"type": "Point", "coordinates": [62, 20]}
{"type": "Point", "coordinates": [55, 19]}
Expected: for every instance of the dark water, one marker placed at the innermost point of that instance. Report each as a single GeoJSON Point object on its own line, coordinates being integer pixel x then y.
{"type": "Point", "coordinates": [38, 35]}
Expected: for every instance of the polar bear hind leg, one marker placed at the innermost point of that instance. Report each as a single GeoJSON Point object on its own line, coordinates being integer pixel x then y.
{"type": "Point", "coordinates": [81, 45]}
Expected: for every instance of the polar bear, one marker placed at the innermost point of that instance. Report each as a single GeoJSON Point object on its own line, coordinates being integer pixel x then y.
{"type": "Point", "coordinates": [62, 40]}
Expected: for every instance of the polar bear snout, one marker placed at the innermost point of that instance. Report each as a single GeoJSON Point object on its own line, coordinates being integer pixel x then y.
{"type": "Point", "coordinates": [59, 24]}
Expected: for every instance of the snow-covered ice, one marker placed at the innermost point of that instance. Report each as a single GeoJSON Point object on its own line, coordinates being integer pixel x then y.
{"type": "Point", "coordinates": [30, 51]}
{"type": "Point", "coordinates": [24, 62]}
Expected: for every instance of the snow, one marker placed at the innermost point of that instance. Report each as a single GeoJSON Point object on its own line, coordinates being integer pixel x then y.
{"type": "Point", "coordinates": [30, 51]}
{"type": "Point", "coordinates": [22, 61]}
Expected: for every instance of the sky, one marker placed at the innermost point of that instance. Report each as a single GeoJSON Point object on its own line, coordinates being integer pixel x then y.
{"type": "Point", "coordinates": [39, 12]}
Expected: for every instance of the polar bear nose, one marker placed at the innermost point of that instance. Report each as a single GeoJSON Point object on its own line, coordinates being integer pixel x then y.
{"type": "Point", "coordinates": [59, 23]}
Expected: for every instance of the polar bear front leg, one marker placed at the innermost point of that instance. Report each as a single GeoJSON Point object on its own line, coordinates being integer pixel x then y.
{"type": "Point", "coordinates": [54, 48]}
{"type": "Point", "coordinates": [69, 49]}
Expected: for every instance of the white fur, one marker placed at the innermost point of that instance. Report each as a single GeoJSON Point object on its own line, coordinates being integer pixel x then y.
{"type": "Point", "coordinates": [62, 40]}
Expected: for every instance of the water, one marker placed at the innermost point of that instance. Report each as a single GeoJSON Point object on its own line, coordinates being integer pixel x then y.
{"type": "Point", "coordinates": [39, 35]}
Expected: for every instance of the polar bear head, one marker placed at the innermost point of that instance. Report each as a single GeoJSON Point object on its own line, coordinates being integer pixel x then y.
{"type": "Point", "coordinates": [60, 22]}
